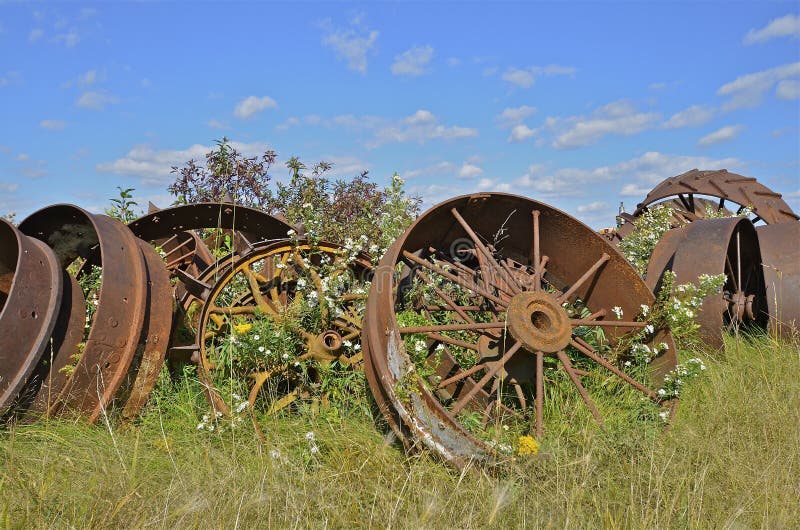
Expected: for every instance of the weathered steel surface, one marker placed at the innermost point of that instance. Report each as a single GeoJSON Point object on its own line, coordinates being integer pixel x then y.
{"type": "Point", "coordinates": [504, 266]}
{"type": "Point", "coordinates": [31, 284]}
{"type": "Point", "coordinates": [780, 258]}
{"type": "Point", "coordinates": [116, 327]}
{"type": "Point", "coordinates": [164, 224]}
{"type": "Point", "coordinates": [155, 333]}
{"type": "Point", "coordinates": [715, 246]}
{"type": "Point", "coordinates": [739, 190]}
{"type": "Point", "coordinates": [51, 375]}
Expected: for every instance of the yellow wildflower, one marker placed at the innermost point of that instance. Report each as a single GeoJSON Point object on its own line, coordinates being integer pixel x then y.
{"type": "Point", "coordinates": [528, 446]}
{"type": "Point", "coordinates": [241, 329]}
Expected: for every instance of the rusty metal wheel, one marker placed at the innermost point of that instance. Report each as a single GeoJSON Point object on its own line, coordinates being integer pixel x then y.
{"type": "Point", "coordinates": [496, 316]}
{"type": "Point", "coordinates": [734, 193]}
{"type": "Point", "coordinates": [780, 259]}
{"type": "Point", "coordinates": [291, 309]}
{"type": "Point", "coordinates": [716, 246]}
{"type": "Point", "coordinates": [117, 324]}
{"type": "Point", "coordinates": [31, 286]}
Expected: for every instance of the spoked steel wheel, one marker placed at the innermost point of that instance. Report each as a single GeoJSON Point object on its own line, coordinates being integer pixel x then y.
{"type": "Point", "coordinates": [496, 317]}
{"type": "Point", "coordinates": [279, 316]}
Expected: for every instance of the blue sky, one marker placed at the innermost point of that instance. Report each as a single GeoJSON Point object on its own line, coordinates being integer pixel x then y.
{"type": "Point", "coordinates": [581, 105]}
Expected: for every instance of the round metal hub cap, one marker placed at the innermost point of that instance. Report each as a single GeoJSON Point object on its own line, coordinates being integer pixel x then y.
{"type": "Point", "coordinates": [538, 321]}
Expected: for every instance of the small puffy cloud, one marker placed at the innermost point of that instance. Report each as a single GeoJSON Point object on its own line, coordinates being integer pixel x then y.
{"type": "Point", "coordinates": [619, 118]}
{"type": "Point", "coordinates": [52, 125]}
{"type": "Point", "coordinates": [83, 80]}
{"type": "Point", "coordinates": [487, 184]}
{"type": "Point", "coordinates": [413, 62]}
{"type": "Point", "coordinates": [526, 77]}
{"type": "Point", "coordinates": [592, 207]}
{"type": "Point", "coordinates": [693, 116]}
{"type": "Point", "coordinates": [95, 100]}
{"type": "Point", "coordinates": [515, 115]}
{"type": "Point", "coordinates": [154, 167]}
{"type": "Point", "coordinates": [720, 135]}
{"type": "Point", "coordinates": [634, 190]}
{"type": "Point", "coordinates": [788, 89]}
{"type": "Point", "coordinates": [520, 133]}
{"type": "Point", "coordinates": [8, 187]}
{"type": "Point", "coordinates": [35, 35]}
{"type": "Point", "coordinates": [350, 44]}
{"type": "Point", "coordinates": [22, 157]}
{"type": "Point", "coordinates": [453, 61]}
{"type": "Point", "coordinates": [69, 39]}
{"type": "Point", "coordinates": [469, 171]}
{"type": "Point", "coordinates": [438, 169]}
{"type": "Point", "coordinates": [785, 26]}
{"type": "Point", "coordinates": [420, 127]}
{"type": "Point", "coordinates": [748, 91]}
{"type": "Point", "coordinates": [216, 124]}
{"type": "Point", "coordinates": [252, 105]}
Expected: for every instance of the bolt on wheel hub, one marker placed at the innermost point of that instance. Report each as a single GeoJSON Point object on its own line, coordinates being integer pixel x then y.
{"type": "Point", "coordinates": [538, 321]}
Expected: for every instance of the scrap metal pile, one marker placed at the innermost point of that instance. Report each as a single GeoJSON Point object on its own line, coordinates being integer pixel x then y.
{"type": "Point", "coordinates": [491, 312]}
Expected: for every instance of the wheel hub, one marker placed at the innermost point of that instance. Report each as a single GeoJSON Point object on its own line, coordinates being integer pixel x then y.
{"type": "Point", "coordinates": [537, 320]}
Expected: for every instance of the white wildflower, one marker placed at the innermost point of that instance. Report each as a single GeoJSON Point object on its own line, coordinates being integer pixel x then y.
{"type": "Point", "coordinates": [310, 436]}
{"type": "Point", "coordinates": [617, 310]}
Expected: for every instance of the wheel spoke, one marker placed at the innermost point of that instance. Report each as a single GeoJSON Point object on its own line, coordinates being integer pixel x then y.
{"type": "Point", "coordinates": [446, 298]}
{"type": "Point", "coordinates": [462, 401]}
{"type": "Point", "coordinates": [461, 375]}
{"type": "Point", "coordinates": [493, 265]}
{"type": "Point", "coordinates": [587, 350]}
{"type": "Point", "coordinates": [607, 323]}
{"type": "Point", "coordinates": [453, 278]}
{"type": "Point", "coordinates": [453, 327]}
{"type": "Point", "coordinates": [537, 265]}
{"type": "Point", "coordinates": [453, 342]}
{"type": "Point", "coordinates": [586, 275]}
{"type": "Point", "coordinates": [567, 364]}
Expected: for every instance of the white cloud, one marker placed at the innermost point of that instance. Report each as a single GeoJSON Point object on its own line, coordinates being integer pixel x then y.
{"type": "Point", "coordinates": [351, 44]}
{"type": "Point", "coordinates": [785, 26]}
{"type": "Point", "coordinates": [592, 207]}
{"type": "Point", "coordinates": [69, 39]}
{"type": "Point", "coordinates": [748, 90]}
{"type": "Point", "coordinates": [413, 62]}
{"type": "Point", "coordinates": [520, 133]}
{"type": "Point", "coordinates": [215, 124]}
{"type": "Point", "coordinates": [515, 115]}
{"type": "Point", "coordinates": [526, 77]}
{"type": "Point", "coordinates": [788, 89]}
{"type": "Point", "coordinates": [420, 127]}
{"type": "Point", "coordinates": [35, 34]}
{"type": "Point", "coordinates": [724, 134]}
{"type": "Point", "coordinates": [618, 118]}
{"type": "Point", "coordinates": [9, 78]}
{"type": "Point", "coordinates": [346, 164]}
{"type": "Point", "coordinates": [636, 176]}
{"type": "Point", "coordinates": [8, 187]}
{"type": "Point", "coordinates": [453, 61]}
{"type": "Point", "coordinates": [469, 171]}
{"type": "Point", "coordinates": [252, 105]}
{"type": "Point", "coordinates": [438, 169]}
{"type": "Point", "coordinates": [96, 100]}
{"type": "Point", "coordinates": [487, 184]}
{"type": "Point", "coordinates": [153, 167]}
{"type": "Point", "coordinates": [88, 78]}
{"type": "Point", "coordinates": [52, 125]}
{"type": "Point", "coordinates": [693, 116]}
{"type": "Point", "coordinates": [23, 156]}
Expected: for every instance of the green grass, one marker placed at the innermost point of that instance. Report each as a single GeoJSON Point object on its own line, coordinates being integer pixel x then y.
{"type": "Point", "coordinates": [730, 460]}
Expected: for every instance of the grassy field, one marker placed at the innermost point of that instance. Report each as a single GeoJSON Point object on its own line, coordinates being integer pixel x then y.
{"type": "Point", "coordinates": [730, 460]}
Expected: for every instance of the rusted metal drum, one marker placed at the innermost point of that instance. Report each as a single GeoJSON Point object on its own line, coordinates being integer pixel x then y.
{"type": "Point", "coordinates": [116, 327]}
{"type": "Point", "coordinates": [780, 258]}
{"type": "Point", "coordinates": [31, 285]}
{"type": "Point", "coordinates": [716, 246]}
